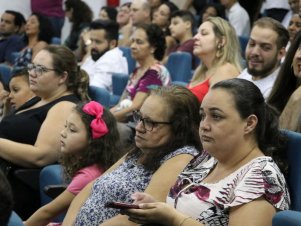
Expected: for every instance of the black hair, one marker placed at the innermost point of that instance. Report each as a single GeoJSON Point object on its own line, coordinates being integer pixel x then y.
{"type": "Point", "coordinates": [185, 15]}
{"type": "Point", "coordinates": [220, 10]}
{"type": "Point", "coordinates": [45, 29]}
{"type": "Point", "coordinates": [156, 39]}
{"type": "Point", "coordinates": [111, 28]}
{"type": "Point", "coordinates": [249, 100]}
{"type": "Point", "coordinates": [82, 13]}
{"type": "Point", "coordinates": [6, 197]}
{"type": "Point", "coordinates": [286, 82]}
{"type": "Point", "coordinates": [111, 11]}
{"type": "Point", "coordinates": [19, 20]}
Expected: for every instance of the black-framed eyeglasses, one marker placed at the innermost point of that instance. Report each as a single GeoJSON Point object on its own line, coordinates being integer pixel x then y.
{"type": "Point", "coordinates": [147, 123]}
{"type": "Point", "coordinates": [38, 69]}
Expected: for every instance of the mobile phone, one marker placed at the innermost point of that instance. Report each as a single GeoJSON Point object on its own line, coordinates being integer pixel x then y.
{"type": "Point", "coordinates": [121, 205]}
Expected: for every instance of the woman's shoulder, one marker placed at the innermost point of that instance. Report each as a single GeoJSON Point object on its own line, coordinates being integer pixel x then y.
{"type": "Point", "coordinates": [260, 177]}
{"type": "Point", "coordinates": [183, 150]}
{"type": "Point", "coordinates": [223, 72]}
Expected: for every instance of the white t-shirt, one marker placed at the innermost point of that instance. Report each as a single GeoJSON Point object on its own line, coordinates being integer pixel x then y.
{"type": "Point", "coordinates": [100, 72]}
{"type": "Point", "coordinates": [239, 19]}
{"type": "Point", "coordinates": [265, 84]}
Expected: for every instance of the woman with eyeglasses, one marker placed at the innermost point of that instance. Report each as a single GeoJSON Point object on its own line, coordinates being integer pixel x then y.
{"type": "Point", "coordinates": [166, 140]}
{"type": "Point", "coordinates": [30, 137]}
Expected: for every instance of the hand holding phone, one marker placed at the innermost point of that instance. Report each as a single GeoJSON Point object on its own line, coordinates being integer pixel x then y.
{"type": "Point", "coordinates": [121, 205]}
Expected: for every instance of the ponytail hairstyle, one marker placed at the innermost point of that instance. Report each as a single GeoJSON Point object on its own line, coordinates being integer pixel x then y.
{"type": "Point", "coordinates": [102, 150]}
{"type": "Point", "coordinates": [64, 61]}
{"type": "Point", "coordinates": [249, 100]}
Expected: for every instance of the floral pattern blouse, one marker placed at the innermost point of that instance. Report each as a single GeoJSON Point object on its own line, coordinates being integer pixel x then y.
{"type": "Point", "coordinates": [210, 203]}
{"type": "Point", "coordinates": [119, 185]}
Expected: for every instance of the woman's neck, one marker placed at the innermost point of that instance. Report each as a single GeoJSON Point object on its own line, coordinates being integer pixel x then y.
{"type": "Point", "coordinates": [49, 97]}
{"type": "Point", "coordinates": [32, 41]}
{"type": "Point", "coordinates": [147, 62]}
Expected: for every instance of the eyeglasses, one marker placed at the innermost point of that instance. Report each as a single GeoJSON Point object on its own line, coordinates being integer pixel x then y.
{"type": "Point", "coordinates": [38, 69]}
{"type": "Point", "coordinates": [147, 123]}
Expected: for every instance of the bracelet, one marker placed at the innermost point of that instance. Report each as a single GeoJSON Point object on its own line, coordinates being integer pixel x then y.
{"type": "Point", "coordinates": [183, 221]}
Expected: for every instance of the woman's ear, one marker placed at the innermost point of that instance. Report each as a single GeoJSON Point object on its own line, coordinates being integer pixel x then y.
{"type": "Point", "coordinates": [251, 123]}
{"type": "Point", "coordinates": [63, 77]}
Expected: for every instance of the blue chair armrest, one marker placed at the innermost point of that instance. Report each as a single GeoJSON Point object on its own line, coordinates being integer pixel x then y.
{"type": "Point", "coordinates": [287, 218]}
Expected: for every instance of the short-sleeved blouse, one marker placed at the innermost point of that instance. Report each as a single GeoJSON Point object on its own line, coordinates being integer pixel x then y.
{"type": "Point", "coordinates": [156, 75]}
{"type": "Point", "coordinates": [119, 185]}
{"type": "Point", "coordinates": [210, 203]}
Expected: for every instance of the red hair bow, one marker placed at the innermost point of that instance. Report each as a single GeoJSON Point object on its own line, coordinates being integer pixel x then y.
{"type": "Point", "coordinates": [98, 126]}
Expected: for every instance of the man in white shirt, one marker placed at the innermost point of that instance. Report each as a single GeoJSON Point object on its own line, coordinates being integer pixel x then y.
{"type": "Point", "coordinates": [237, 16]}
{"type": "Point", "coordinates": [264, 51]}
{"type": "Point", "coordinates": [106, 58]}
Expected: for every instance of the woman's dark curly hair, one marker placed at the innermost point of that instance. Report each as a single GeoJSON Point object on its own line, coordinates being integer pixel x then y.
{"type": "Point", "coordinates": [45, 29]}
{"type": "Point", "coordinates": [182, 108]}
{"type": "Point", "coordinates": [249, 100]}
{"type": "Point", "coordinates": [102, 151]}
{"type": "Point", "coordinates": [82, 13]}
{"type": "Point", "coordinates": [156, 39]}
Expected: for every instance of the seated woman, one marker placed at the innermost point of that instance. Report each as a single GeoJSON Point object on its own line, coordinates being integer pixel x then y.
{"type": "Point", "coordinates": [30, 136]}
{"type": "Point", "coordinates": [38, 34]}
{"type": "Point", "coordinates": [217, 46]}
{"type": "Point", "coordinates": [148, 46]}
{"type": "Point", "coordinates": [166, 140]}
{"type": "Point", "coordinates": [236, 180]}
{"type": "Point", "coordinates": [286, 92]}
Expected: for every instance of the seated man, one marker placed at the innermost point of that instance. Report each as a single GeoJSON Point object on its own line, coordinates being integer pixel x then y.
{"type": "Point", "coordinates": [105, 58]}
{"type": "Point", "coordinates": [10, 39]}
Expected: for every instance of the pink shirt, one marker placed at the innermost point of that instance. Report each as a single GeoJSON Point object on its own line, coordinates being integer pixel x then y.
{"type": "Point", "coordinates": [83, 177]}
{"type": "Point", "coordinates": [51, 8]}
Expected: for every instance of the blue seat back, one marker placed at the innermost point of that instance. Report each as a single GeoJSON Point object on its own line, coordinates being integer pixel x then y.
{"type": "Point", "coordinates": [294, 171]}
{"type": "Point", "coordinates": [179, 66]}
{"type": "Point", "coordinates": [101, 95]}
{"type": "Point", "coordinates": [128, 55]}
{"type": "Point", "coordinates": [119, 82]}
{"type": "Point", "coordinates": [55, 41]}
{"type": "Point", "coordinates": [243, 44]}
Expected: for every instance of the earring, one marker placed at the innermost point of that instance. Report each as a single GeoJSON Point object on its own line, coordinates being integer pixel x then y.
{"type": "Point", "coordinates": [220, 51]}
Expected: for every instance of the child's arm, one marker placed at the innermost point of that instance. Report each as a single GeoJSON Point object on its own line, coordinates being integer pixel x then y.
{"type": "Point", "coordinates": [46, 213]}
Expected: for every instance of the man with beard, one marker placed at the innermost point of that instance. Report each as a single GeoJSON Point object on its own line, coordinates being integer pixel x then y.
{"type": "Point", "coordinates": [11, 25]}
{"type": "Point", "coordinates": [105, 58]}
{"type": "Point", "coordinates": [264, 51]}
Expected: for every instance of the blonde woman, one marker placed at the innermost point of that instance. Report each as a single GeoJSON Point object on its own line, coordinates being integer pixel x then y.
{"type": "Point", "coordinates": [217, 46]}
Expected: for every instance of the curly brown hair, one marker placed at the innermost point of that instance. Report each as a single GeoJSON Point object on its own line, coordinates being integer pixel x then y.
{"type": "Point", "coordinates": [102, 151]}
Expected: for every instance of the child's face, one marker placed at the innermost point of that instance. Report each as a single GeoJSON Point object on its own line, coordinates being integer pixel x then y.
{"type": "Point", "coordinates": [74, 137]}
{"type": "Point", "coordinates": [178, 27]}
{"type": "Point", "coordinates": [19, 91]}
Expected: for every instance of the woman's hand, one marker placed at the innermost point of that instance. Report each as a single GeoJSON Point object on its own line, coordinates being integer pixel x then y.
{"type": "Point", "coordinates": [140, 197]}
{"type": "Point", "coordinates": [157, 212]}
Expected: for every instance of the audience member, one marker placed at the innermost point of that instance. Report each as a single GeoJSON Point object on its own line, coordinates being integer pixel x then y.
{"type": "Point", "coordinates": [88, 148]}
{"type": "Point", "coordinates": [285, 95]}
{"type": "Point", "coordinates": [294, 9]}
{"type": "Point", "coordinates": [212, 10]}
{"type": "Point", "coordinates": [53, 10]}
{"type": "Point", "coordinates": [80, 15]}
{"type": "Point", "coordinates": [264, 51]}
{"type": "Point", "coordinates": [140, 12]}
{"type": "Point", "coordinates": [217, 46]}
{"type": "Point", "coordinates": [105, 57]}
{"type": "Point", "coordinates": [10, 38]}
{"type": "Point", "coordinates": [198, 5]}
{"type": "Point", "coordinates": [181, 28]}
{"type": "Point", "coordinates": [19, 92]}
{"type": "Point", "coordinates": [294, 27]}
{"type": "Point", "coordinates": [6, 196]}
{"type": "Point", "coordinates": [107, 13]}
{"type": "Point", "coordinates": [25, 140]}
{"type": "Point", "coordinates": [238, 17]}
{"type": "Point", "coordinates": [155, 4]}
{"type": "Point", "coordinates": [148, 46]}
{"type": "Point", "coordinates": [276, 9]}
{"type": "Point", "coordinates": [236, 180]}
{"type": "Point", "coordinates": [125, 24]}
{"type": "Point", "coordinates": [38, 34]}
{"type": "Point", "coordinates": [166, 140]}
